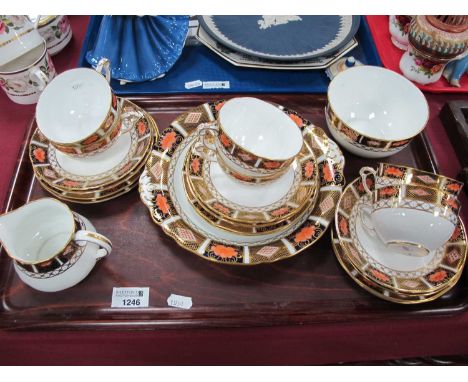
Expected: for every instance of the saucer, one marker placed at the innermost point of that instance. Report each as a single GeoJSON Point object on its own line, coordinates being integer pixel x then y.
{"type": "Point", "coordinates": [97, 196]}
{"type": "Point", "coordinates": [376, 289]}
{"type": "Point", "coordinates": [254, 222]}
{"type": "Point", "coordinates": [260, 204]}
{"type": "Point", "coordinates": [162, 191]}
{"type": "Point", "coordinates": [387, 267]}
{"type": "Point", "coordinates": [62, 172]}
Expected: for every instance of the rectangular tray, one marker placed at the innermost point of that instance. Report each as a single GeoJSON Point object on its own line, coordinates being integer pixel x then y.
{"type": "Point", "coordinates": [199, 63]}
{"type": "Point", "coordinates": [308, 288]}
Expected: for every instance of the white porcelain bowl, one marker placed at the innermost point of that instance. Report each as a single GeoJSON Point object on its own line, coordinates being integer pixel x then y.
{"type": "Point", "coordinates": [374, 112]}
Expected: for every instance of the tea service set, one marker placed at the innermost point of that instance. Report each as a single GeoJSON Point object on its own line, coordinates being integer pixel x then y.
{"type": "Point", "coordinates": [26, 47]}
{"type": "Point", "coordinates": [242, 182]}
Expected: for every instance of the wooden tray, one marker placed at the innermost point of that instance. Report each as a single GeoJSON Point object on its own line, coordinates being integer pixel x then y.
{"type": "Point", "coordinates": [308, 288]}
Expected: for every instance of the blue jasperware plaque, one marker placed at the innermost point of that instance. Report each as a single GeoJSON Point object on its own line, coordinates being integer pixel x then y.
{"type": "Point", "coordinates": [282, 37]}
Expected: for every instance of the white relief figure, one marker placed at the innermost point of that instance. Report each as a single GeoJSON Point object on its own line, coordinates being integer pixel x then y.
{"type": "Point", "coordinates": [271, 21]}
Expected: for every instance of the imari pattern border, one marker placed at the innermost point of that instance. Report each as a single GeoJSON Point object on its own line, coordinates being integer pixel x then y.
{"type": "Point", "coordinates": [431, 280]}
{"type": "Point", "coordinates": [155, 195]}
{"type": "Point", "coordinates": [46, 167]}
{"type": "Point", "coordinates": [360, 140]}
{"type": "Point", "coordinates": [59, 263]}
{"type": "Point", "coordinates": [379, 290]}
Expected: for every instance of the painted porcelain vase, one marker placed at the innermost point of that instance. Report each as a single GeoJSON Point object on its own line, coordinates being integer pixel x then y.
{"type": "Point", "coordinates": [433, 42]}
{"type": "Point", "coordinates": [399, 27]}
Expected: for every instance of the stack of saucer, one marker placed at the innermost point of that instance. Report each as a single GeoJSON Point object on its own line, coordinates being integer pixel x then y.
{"type": "Point", "coordinates": [243, 182]}
{"type": "Point", "coordinates": [88, 152]}
{"type": "Point", "coordinates": [398, 234]}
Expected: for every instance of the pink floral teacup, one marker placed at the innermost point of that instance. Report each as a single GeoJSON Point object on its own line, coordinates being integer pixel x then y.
{"type": "Point", "coordinates": [24, 78]}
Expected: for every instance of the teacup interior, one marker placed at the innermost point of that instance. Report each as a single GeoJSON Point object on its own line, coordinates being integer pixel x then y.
{"type": "Point", "coordinates": [412, 226]}
{"type": "Point", "coordinates": [25, 60]}
{"type": "Point", "coordinates": [260, 128]}
{"type": "Point", "coordinates": [74, 105]}
{"type": "Point", "coordinates": [378, 103]}
{"type": "Point", "coordinates": [37, 231]}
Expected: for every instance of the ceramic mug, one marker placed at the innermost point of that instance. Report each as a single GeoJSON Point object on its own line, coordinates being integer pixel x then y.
{"type": "Point", "coordinates": [398, 27]}
{"type": "Point", "coordinates": [17, 37]}
{"type": "Point", "coordinates": [367, 114]}
{"type": "Point", "coordinates": [252, 138]}
{"type": "Point", "coordinates": [24, 78]}
{"type": "Point", "coordinates": [82, 101]}
{"type": "Point", "coordinates": [55, 30]}
{"type": "Point", "coordinates": [53, 248]}
{"type": "Point", "coordinates": [414, 220]}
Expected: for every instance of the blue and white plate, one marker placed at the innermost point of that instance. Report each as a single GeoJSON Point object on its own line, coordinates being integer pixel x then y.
{"type": "Point", "coordinates": [282, 38]}
{"type": "Point", "coordinates": [139, 48]}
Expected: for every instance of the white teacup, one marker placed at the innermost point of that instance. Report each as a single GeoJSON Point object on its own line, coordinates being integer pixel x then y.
{"type": "Point", "coordinates": [18, 36]}
{"type": "Point", "coordinates": [78, 111]}
{"type": "Point", "coordinates": [24, 78]}
{"type": "Point", "coordinates": [253, 139]}
{"type": "Point", "coordinates": [374, 112]}
{"type": "Point", "coordinates": [53, 248]}
{"type": "Point", "coordinates": [412, 219]}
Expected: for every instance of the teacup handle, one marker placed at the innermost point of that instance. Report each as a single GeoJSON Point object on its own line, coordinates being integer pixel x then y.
{"type": "Point", "coordinates": [104, 65]}
{"type": "Point", "coordinates": [40, 77]}
{"type": "Point", "coordinates": [93, 237]}
{"type": "Point", "coordinates": [365, 211]}
{"type": "Point", "coordinates": [202, 145]}
{"type": "Point", "coordinates": [365, 172]}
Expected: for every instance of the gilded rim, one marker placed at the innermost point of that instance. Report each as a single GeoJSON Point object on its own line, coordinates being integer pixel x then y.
{"type": "Point", "coordinates": [98, 195]}
{"type": "Point", "coordinates": [45, 20]}
{"type": "Point", "coordinates": [252, 180]}
{"type": "Point", "coordinates": [443, 179]}
{"type": "Point", "coordinates": [368, 136]}
{"type": "Point", "coordinates": [442, 203]}
{"type": "Point", "coordinates": [69, 212]}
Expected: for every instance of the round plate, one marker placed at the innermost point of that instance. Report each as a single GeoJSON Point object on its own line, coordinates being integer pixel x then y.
{"type": "Point", "coordinates": [208, 241]}
{"type": "Point", "coordinates": [378, 290]}
{"type": "Point", "coordinates": [63, 172]}
{"type": "Point", "coordinates": [276, 37]}
{"type": "Point", "coordinates": [386, 267]}
{"type": "Point", "coordinates": [101, 195]}
{"type": "Point", "coordinates": [254, 223]}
